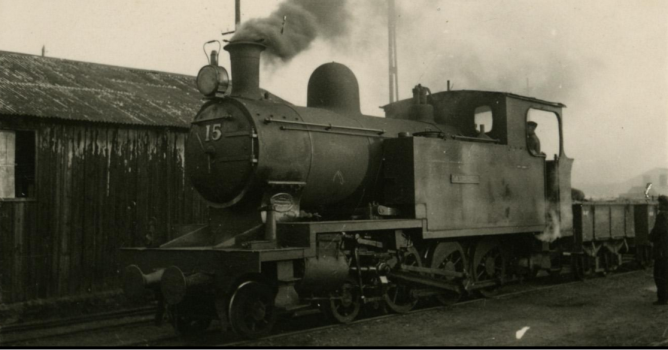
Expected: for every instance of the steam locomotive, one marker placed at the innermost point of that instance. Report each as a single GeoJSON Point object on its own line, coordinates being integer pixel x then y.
{"type": "Point", "coordinates": [322, 206]}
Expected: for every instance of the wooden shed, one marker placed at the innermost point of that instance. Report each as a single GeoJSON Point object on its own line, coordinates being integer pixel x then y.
{"type": "Point", "coordinates": [91, 159]}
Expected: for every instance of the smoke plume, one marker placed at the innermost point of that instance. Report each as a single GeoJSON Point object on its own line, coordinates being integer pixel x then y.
{"type": "Point", "coordinates": [295, 24]}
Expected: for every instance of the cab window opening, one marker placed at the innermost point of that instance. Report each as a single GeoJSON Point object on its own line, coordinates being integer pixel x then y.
{"type": "Point", "coordinates": [484, 121]}
{"type": "Point", "coordinates": [542, 134]}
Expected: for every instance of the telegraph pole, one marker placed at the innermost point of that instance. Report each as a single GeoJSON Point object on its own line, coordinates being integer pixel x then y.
{"type": "Point", "coordinates": [237, 18]}
{"type": "Point", "coordinates": [392, 48]}
{"type": "Point", "coordinates": [237, 14]}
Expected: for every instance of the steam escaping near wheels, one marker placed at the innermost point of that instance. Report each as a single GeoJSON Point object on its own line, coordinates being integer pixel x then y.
{"type": "Point", "coordinates": [552, 230]}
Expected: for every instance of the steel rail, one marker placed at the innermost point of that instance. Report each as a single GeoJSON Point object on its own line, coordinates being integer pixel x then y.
{"type": "Point", "coordinates": [21, 332]}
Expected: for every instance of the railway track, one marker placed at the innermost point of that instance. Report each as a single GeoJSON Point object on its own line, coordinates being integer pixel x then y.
{"type": "Point", "coordinates": [23, 332]}
{"type": "Point", "coordinates": [533, 289]}
{"type": "Point", "coordinates": [211, 338]}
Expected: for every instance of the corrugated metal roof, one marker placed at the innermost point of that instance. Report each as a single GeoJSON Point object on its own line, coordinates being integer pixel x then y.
{"type": "Point", "coordinates": [56, 88]}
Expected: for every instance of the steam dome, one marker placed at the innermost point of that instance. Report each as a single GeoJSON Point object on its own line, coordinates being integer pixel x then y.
{"type": "Point", "coordinates": [334, 86]}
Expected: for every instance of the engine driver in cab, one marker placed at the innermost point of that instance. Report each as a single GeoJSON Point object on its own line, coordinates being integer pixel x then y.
{"type": "Point", "coordinates": [533, 143]}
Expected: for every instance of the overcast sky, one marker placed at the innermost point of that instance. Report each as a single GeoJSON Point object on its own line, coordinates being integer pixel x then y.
{"type": "Point", "coordinates": [606, 60]}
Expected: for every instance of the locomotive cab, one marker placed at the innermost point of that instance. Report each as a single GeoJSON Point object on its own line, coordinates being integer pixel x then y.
{"type": "Point", "coordinates": [487, 173]}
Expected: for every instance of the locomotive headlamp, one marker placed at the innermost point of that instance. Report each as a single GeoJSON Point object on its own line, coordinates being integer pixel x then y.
{"type": "Point", "coordinates": [212, 79]}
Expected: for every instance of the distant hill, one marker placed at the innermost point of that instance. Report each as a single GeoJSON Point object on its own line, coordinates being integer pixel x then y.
{"type": "Point", "coordinates": [631, 188]}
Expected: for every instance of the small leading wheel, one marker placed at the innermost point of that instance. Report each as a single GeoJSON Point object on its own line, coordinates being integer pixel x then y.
{"type": "Point", "coordinates": [345, 304]}
{"type": "Point", "coordinates": [489, 264]}
{"type": "Point", "coordinates": [450, 257]}
{"type": "Point", "coordinates": [186, 325]}
{"type": "Point", "coordinates": [252, 313]}
{"type": "Point", "coordinates": [398, 296]}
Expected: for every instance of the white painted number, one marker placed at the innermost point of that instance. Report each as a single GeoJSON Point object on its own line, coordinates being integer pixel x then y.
{"type": "Point", "coordinates": [213, 132]}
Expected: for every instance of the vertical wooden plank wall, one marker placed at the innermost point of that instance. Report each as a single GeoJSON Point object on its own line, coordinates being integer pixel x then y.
{"type": "Point", "coordinates": [99, 187]}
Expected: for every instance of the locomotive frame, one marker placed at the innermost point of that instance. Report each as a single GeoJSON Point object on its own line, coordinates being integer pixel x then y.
{"type": "Point", "coordinates": [321, 206]}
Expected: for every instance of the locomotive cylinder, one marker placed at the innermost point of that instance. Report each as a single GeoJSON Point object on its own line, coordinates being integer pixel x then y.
{"type": "Point", "coordinates": [324, 273]}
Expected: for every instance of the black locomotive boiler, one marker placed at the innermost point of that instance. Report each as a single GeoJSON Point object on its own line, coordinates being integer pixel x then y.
{"type": "Point", "coordinates": [321, 206]}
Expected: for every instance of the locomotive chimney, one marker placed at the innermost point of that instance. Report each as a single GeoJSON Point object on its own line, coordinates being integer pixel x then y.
{"type": "Point", "coordinates": [245, 59]}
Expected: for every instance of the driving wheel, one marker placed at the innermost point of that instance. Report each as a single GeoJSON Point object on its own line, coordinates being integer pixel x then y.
{"type": "Point", "coordinates": [489, 266]}
{"type": "Point", "coordinates": [450, 257]}
{"type": "Point", "coordinates": [398, 296]}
